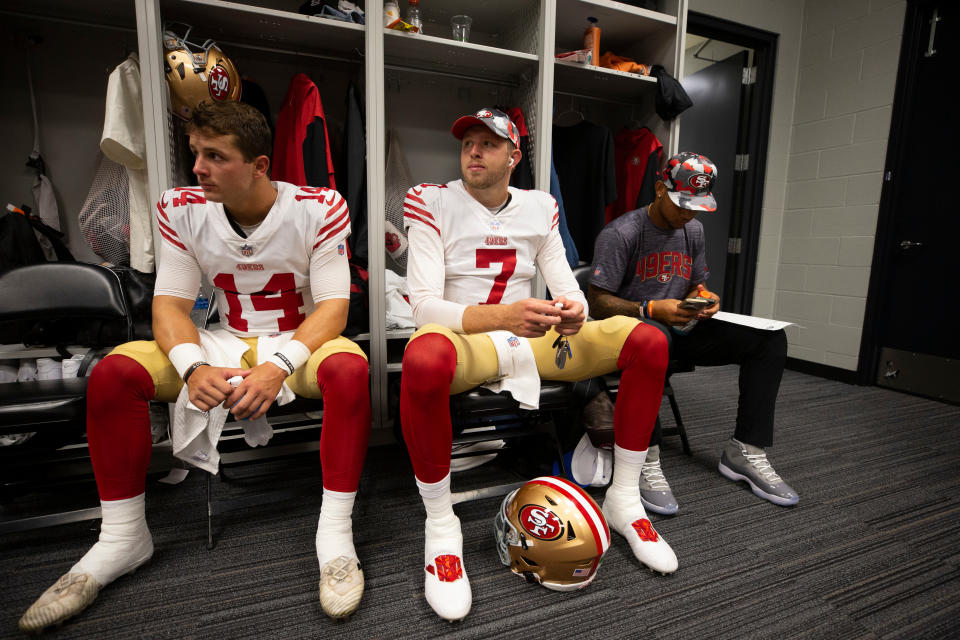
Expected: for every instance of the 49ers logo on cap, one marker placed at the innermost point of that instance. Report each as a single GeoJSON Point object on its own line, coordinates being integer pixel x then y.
{"type": "Point", "coordinates": [699, 181]}
{"type": "Point", "coordinates": [540, 522]}
{"type": "Point", "coordinates": [484, 113]}
{"type": "Point", "coordinates": [219, 83]}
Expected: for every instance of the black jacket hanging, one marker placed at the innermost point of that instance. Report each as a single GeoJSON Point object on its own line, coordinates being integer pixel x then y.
{"type": "Point", "coordinates": [672, 98]}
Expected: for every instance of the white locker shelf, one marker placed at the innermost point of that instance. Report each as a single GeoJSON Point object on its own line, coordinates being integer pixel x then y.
{"type": "Point", "coordinates": [117, 13]}
{"type": "Point", "coordinates": [600, 82]}
{"type": "Point", "coordinates": [264, 27]}
{"type": "Point", "coordinates": [622, 26]}
{"type": "Point", "coordinates": [442, 54]}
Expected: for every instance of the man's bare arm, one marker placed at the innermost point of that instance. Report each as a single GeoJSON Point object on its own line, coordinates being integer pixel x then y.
{"type": "Point", "coordinates": [530, 318]}
{"type": "Point", "coordinates": [604, 304]}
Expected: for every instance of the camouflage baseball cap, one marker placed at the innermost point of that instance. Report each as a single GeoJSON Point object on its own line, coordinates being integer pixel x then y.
{"type": "Point", "coordinates": [689, 178]}
{"type": "Point", "coordinates": [496, 120]}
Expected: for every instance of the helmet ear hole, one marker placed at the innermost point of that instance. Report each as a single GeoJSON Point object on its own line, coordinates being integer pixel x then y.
{"type": "Point", "coordinates": [571, 534]}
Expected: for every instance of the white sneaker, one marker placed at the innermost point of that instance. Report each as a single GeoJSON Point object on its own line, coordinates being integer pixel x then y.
{"type": "Point", "coordinates": [630, 520]}
{"type": "Point", "coordinates": [341, 587]}
{"type": "Point", "coordinates": [69, 595]}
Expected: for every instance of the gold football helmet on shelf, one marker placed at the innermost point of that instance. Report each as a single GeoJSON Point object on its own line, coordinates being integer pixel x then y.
{"type": "Point", "coordinates": [196, 72]}
{"type": "Point", "coordinates": [551, 532]}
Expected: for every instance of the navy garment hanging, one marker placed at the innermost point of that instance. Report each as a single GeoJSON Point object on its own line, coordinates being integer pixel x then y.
{"type": "Point", "coordinates": [571, 249]}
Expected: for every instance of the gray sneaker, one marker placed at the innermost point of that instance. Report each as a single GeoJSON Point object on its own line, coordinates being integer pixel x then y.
{"type": "Point", "coordinates": [655, 493]}
{"type": "Point", "coordinates": [741, 461]}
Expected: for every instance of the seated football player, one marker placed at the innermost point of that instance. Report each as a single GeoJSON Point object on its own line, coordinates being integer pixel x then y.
{"type": "Point", "coordinates": [648, 263]}
{"type": "Point", "coordinates": [475, 245]}
{"type": "Point", "coordinates": [276, 254]}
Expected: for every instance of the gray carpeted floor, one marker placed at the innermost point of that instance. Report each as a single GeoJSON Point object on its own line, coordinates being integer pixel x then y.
{"type": "Point", "coordinates": [871, 551]}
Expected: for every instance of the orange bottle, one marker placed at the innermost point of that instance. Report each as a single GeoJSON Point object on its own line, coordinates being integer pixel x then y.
{"type": "Point", "coordinates": [591, 40]}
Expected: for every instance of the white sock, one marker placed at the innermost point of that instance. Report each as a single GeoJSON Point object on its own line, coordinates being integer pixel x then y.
{"type": "Point", "coordinates": [437, 499]}
{"type": "Point", "coordinates": [335, 528]}
{"type": "Point", "coordinates": [124, 543]}
{"type": "Point", "coordinates": [627, 466]}
{"type": "Point", "coordinates": [442, 529]}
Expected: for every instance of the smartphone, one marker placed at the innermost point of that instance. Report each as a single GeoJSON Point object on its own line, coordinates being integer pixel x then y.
{"type": "Point", "coordinates": [697, 303]}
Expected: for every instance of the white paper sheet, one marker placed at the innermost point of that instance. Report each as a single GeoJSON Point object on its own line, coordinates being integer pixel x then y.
{"type": "Point", "coordinates": [752, 321]}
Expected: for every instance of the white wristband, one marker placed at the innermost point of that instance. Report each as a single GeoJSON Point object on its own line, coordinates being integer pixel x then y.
{"type": "Point", "coordinates": [294, 355]}
{"type": "Point", "coordinates": [183, 355]}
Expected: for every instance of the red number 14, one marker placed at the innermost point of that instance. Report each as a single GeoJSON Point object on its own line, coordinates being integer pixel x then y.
{"type": "Point", "coordinates": [280, 293]}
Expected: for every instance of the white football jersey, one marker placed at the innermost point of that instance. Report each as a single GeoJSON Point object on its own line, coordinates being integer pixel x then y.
{"type": "Point", "coordinates": [487, 258]}
{"type": "Point", "coordinates": [262, 281]}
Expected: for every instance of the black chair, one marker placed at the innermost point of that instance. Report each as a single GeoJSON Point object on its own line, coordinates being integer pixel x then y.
{"type": "Point", "coordinates": [480, 415]}
{"type": "Point", "coordinates": [56, 304]}
{"type": "Point", "coordinates": [675, 365]}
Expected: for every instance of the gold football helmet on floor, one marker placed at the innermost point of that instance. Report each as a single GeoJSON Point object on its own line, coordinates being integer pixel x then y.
{"type": "Point", "coordinates": [550, 531]}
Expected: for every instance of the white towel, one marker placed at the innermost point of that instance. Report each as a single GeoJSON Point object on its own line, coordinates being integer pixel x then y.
{"type": "Point", "coordinates": [27, 370]}
{"type": "Point", "coordinates": [49, 369]}
{"type": "Point", "coordinates": [194, 432]}
{"type": "Point", "coordinates": [399, 313]}
{"type": "Point", "coordinates": [517, 369]}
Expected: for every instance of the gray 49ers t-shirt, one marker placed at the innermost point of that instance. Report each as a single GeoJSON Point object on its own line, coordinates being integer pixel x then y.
{"type": "Point", "coordinates": [636, 260]}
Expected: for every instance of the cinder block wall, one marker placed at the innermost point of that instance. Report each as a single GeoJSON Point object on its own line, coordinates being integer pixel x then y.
{"type": "Point", "coordinates": [847, 72]}
{"type": "Point", "coordinates": [785, 18]}
{"type": "Point", "coordinates": [835, 77]}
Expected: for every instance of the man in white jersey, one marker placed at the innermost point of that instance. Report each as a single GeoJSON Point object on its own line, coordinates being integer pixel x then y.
{"type": "Point", "coordinates": [475, 245]}
{"type": "Point", "coordinates": [276, 254]}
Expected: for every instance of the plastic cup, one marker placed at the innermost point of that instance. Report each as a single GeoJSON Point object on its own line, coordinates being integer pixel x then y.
{"type": "Point", "coordinates": [461, 28]}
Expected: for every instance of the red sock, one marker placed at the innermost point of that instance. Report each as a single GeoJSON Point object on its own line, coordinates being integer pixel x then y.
{"type": "Point", "coordinates": [345, 384]}
{"type": "Point", "coordinates": [643, 361]}
{"type": "Point", "coordinates": [118, 426]}
{"type": "Point", "coordinates": [429, 364]}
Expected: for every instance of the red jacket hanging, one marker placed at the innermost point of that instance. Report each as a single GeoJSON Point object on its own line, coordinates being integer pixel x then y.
{"type": "Point", "coordinates": [301, 146]}
{"type": "Point", "coordinates": [637, 159]}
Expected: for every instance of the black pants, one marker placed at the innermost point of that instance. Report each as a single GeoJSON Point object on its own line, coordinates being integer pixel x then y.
{"type": "Point", "coordinates": [761, 356]}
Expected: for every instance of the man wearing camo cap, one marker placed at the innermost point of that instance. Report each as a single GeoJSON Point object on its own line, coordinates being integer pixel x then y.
{"type": "Point", "coordinates": [646, 262]}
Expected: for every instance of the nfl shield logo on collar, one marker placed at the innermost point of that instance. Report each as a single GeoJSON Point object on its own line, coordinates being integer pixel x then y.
{"type": "Point", "coordinates": [246, 250]}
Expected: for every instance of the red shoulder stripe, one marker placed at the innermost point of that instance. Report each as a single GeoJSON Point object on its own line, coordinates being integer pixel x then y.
{"type": "Point", "coordinates": [413, 216]}
{"type": "Point", "coordinates": [333, 233]}
{"type": "Point", "coordinates": [422, 212]}
{"type": "Point", "coordinates": [171, 240]}
{"type": "Point", "coordinates": [339, 219]}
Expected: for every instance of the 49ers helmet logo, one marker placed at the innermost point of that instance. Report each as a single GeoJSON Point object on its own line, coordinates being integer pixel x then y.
{"type": "Point", "coordinates": [540, 522]}
{"type": "Point", "coordinates": [219, 83]}
{"type": "Point", "coordinates": [699, 181]}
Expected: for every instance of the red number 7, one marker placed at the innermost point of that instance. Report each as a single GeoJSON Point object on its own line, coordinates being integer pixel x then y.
{"type": "Point", "coordinates": [508, 261]}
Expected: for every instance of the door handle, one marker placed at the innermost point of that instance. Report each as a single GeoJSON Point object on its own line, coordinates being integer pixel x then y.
{"type": "Point", "coordinates": [906, 245]}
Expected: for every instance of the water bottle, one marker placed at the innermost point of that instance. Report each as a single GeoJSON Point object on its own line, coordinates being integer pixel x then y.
{"type": "Point", "coordinates": [199, 312]}
{"type": "Point", "coordinates": [413, 15]}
